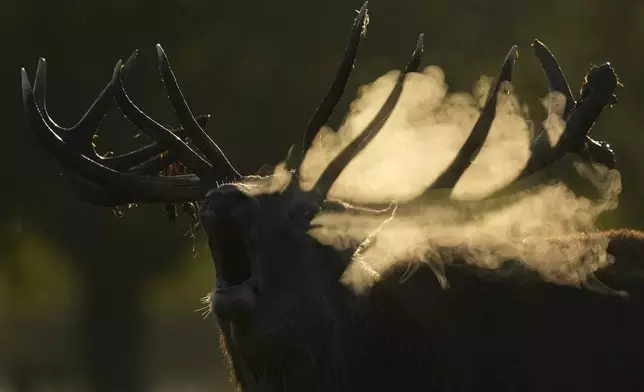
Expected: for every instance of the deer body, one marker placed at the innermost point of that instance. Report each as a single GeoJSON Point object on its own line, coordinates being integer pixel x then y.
{"type": "Point", "coordinates": [487, 331]}
{"type": "Point", "coordinates": [288, 321]}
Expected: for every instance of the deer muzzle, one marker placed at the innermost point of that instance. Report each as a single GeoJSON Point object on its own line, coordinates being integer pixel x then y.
{"type": "Point", "coordinates": [227, 217]}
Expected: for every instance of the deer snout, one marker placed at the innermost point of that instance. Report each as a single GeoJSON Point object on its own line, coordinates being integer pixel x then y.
{"type": "Point", "coordinates": [225, 199]}
{"type": "Point", "coordinates": [228, 215]}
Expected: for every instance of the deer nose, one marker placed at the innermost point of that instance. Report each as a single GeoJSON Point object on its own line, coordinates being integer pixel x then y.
{"type": "Point", "coordinates": [226, 202]}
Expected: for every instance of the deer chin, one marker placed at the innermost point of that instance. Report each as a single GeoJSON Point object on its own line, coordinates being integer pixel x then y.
{"type": "Point", "coordinates": [235, 303]}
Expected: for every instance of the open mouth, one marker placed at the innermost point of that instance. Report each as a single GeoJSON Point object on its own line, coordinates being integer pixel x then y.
{"type": "Point", "coordinates": [233, 264]}
{"type": "Point", "coordinates": [235, 286]}
{"type": "Point", "coordinates": [227, 217]}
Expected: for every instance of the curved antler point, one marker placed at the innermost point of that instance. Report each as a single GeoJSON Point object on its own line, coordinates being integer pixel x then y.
{"type": "Point", "coordinates": [164, 63]}
{"type": "Point", "coordinates": [118, 73]}
{"type": "Point", "coordinates": [514, 50]}
{"type": "Point", "coordinates": [362, 14]}
{"type": "Point", "coordinates": [117, 69]}
{"type": "Point", "coordinates": [509, 62]}
{"type": "Point", "coordinates": [160, 51]}
{"type": "Point", "coordinates": [539, 46]}
{"type": "Point", "coordinates": [131, 60]}
{"type": "Point", "coordinates": [41, 70]}
{"type": "Point", "coordinates": [26, 86]}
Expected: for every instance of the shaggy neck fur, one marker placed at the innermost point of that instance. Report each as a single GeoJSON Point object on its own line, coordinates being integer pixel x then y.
{"type": "Point", "coordinates": [479, 334]}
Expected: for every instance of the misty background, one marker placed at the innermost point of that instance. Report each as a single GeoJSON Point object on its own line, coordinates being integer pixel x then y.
{"type": "Point", "coordinates": [89, 301]}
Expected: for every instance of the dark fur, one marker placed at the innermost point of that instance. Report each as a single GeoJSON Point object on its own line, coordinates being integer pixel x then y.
{"type": "Point", "coordinates": [486, 332]}
{"type": "Point", "coordinates": [287, 322]}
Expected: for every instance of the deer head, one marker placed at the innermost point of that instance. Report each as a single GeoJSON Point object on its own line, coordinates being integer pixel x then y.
{"type": "Point", "coordinates": [276, 286]}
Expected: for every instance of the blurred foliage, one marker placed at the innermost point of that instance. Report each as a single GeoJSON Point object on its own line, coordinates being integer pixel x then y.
{"type": "Point", "coordinates": [37, 278]}
{"type": "Point", "coordinates": [259, 68]}
{"type": "Point", "coordinates": [183, 290]}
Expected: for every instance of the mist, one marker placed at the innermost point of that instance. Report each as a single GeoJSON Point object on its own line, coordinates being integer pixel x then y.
{"type": "Point", "coordinates": [547, 227]}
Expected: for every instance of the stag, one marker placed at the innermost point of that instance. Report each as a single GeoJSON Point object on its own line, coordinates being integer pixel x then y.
{"type": "Point", "coordinates": [287, 321]}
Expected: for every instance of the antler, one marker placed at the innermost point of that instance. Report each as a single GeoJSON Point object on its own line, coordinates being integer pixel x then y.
{"type": "Point", "coordinates": [579, 116]}
{"type": "Point", "coordinates": [333, 95]}
{"type": "Point", "coordinates": [474, 142]}
{"type": "Point", "coordinates": [330, 100]}
{"type": "Point", "coordinates": [333, 170]}
{"type": "Point", "coordinates": [132, 177]}
{"type": "Point", "coordinates": [597, 92]}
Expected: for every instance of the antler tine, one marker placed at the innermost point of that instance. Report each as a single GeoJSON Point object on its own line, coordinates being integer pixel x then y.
{"type": "Point", "coordinates": [598, 151]}
{"type": "Point", "coordinates": [597, 92]}
{"type": "Point", "coordinates": [542, 144]}
{"type": "Point", "coordinates": [133, 159]}
{"type": "Point", "coordinates": [340, 162]}
{"type": "Point", "coordinates": [82, 133]}
{"type": "Point", "coordinates": [80, 136]}
{"type": "Point", "coordinates": [212, 152]}
{"type": "Point", "coordinates": [417, 56]}
{"type": "Point", "coordinates": [158, 132]}
{"type": "Point", "coordinates": [556, 78]}
{"type": "Point", "coordinates": [154, 165]}
{"type": "Point", "coordinates": [123, 187]}
{"type": "Point", "coordinates": [333, 95]}
{"type": "Point", "coordinates": [481, 129]}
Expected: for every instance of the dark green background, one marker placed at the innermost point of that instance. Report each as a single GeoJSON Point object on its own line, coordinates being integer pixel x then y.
{"type": "Point", "coordinates": [92, 302]}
